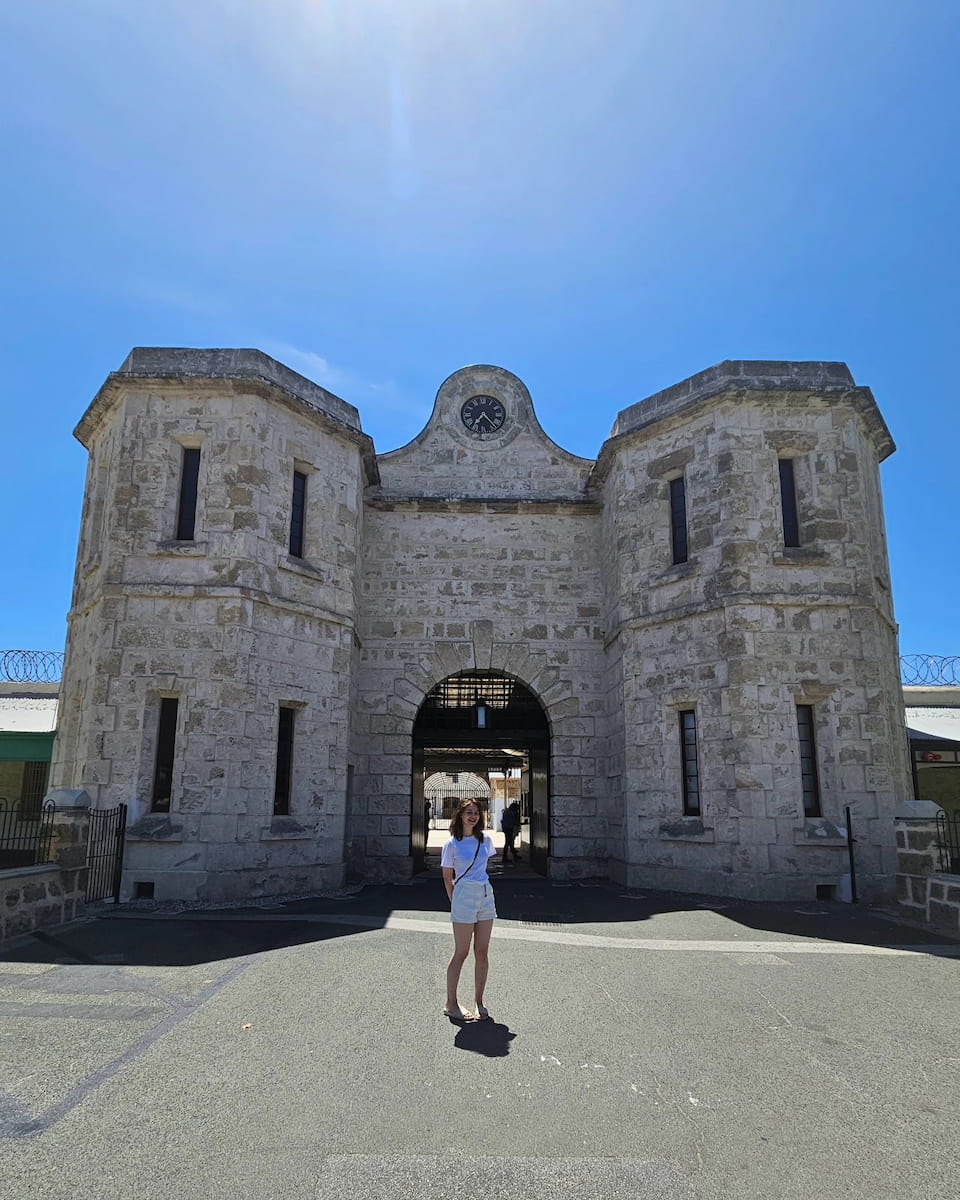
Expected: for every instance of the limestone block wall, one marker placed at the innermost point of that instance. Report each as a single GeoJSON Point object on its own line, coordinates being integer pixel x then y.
{"type": "Point", "coordinates": [505, 587]}
{"type": "Point", "coordinates": [746, 630]}
{"type": "Point", "coordinates": [77, 720]}
{"type": "Point", "coordinates": [611, 763]}
{"type": "Point", "coordinates": [220, 838]}
{"type": "Point", "coordinates": [34, 898]}
{"type": "Point", "coordinates": [943, 906]}
{"type": "Point", "coordinates": [229, 624]}
{"type": "Point", "coordinates": [925, 891]}
{"type": "Point", "coordinates": [918, 858]}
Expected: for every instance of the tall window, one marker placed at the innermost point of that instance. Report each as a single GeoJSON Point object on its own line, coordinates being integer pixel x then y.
{"type": "Point", "coordinates": [678, 519]}
{"type": "Point", "coordinates": [281, 789]}
{"type": "Point", "coordinates": [808, 761]}
{"type": "Point", "coordinates": [298, 513]}
{"type": "Point", "coordinates": [166, 744]}
{"type": "Point", "coordinates": [187, 510]}
{"type": "Point", "coordinates": [691, 774]}
{"type": "Point", "coordinates": [788, 503]}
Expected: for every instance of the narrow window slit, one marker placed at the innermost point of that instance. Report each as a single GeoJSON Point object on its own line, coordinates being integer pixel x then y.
{"type": "Point", "coordinates": [166, 748]}
{"type": "Point", "coordinates": [281, 791]}
{"type": "Point", "coordinates": [690, 771]}
{"type": "Point", "coordinates": [788, 503]}
{"type": "Point", "coordinates": [298, 511]}
{"type": "Point", "coordinates": [187, 509]}
{"type": "Point", "coordinates": [808, 761]}
{"type": "Point", "coordinates": [678, 519]}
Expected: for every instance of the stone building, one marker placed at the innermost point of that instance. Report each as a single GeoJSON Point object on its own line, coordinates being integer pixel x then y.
{"type": "Point", "coordinates": [685, 647]}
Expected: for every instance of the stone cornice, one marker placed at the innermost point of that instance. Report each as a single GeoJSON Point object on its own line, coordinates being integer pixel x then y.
{"type": "Point", "coordinates": [808, 600]}
{"type": "Point", "coordinates": [746, 380]}
{"type": "Point", "coordinates": [482, 504]}
{"type": "Point", "coordinates": [209, 591]}
{"type": "Point", "coordinates": [240, 371]}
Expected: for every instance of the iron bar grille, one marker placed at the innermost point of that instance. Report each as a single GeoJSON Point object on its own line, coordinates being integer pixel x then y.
{"type": "Point", "coordinates": [34, 786]}
{"type": "Point", "coordinates": [464, 691]}
{"type": "Point", "coordinates": [948, 841]}
{"type": "Point", "coordinates": [691, 773]}
{"type": "Point", "coordinates": [808, 760]}
{"type": "Point", "coordinates": [936, 670]}
{"type": "Point", "coordinates": [25, 835]}
{"type": "Point", "coordinates": [31, 666]}
{"type": "Point", "coordinates": [480, 705]}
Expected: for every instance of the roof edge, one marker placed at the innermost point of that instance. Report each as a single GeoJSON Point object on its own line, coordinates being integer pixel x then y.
{"type": "Point", "coordinates": [831, 380]}
{"type": "Point", "coordinates": [162, 364]}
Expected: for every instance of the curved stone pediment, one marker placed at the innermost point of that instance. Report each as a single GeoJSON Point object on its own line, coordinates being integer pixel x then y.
{"type": "Point", "coordinates": [483, 441]}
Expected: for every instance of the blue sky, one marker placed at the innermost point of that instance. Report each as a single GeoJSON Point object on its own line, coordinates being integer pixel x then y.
{"type": "Point", "coordinates": [604, 198]}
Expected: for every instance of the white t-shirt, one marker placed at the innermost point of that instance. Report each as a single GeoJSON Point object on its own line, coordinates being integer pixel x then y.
{"type": "Point", "coordinates": [459, 855]}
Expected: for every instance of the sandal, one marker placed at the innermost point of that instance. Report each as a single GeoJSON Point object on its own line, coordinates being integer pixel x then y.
{"type": "Point", "coordinates": [482, 1014]}
{"type": "Point", "coordinates": [458, 1014]}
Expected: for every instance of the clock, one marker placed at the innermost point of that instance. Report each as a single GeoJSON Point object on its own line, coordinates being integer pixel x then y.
{"type": "Point", "coordinates": [483, 414]}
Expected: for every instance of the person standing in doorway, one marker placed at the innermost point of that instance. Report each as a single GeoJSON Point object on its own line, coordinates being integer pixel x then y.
{"type": "Point", "coordinates": [472, 910]}
{"type": "Point", "coordinates": [510, 824]}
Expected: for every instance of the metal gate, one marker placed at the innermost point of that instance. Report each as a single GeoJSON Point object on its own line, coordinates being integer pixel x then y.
{"type": "Point", "coordinates": [105, 852]}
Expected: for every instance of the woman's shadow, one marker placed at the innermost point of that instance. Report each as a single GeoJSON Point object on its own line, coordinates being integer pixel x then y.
{"type": "Point", "coordinates": [484, 1037]}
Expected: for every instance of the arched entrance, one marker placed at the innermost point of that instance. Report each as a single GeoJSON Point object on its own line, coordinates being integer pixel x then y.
{"type": "Point", "coordinates": [485, 724]}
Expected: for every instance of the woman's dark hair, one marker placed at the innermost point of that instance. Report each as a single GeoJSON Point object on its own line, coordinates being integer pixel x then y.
{"type": "Point", "coordinates": [456, 825]}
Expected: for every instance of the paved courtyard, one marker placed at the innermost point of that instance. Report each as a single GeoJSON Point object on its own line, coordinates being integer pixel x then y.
{"type": "Point", "coordinates": [654, 1046]}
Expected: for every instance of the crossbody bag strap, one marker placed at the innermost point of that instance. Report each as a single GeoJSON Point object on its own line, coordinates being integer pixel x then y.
{"type": "Point", "coordinates": [470, 868]}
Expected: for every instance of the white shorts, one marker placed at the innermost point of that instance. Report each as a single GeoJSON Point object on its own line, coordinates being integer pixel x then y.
{"type": "Point", "coordinates": [472, 902]}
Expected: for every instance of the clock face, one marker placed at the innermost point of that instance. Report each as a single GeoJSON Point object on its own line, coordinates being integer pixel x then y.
{"type": "Point", "coordinates": [483, 414]}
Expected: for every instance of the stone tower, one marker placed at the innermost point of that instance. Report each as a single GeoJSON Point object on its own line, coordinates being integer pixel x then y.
{"type": "Point", "coordinates": [220, 619]}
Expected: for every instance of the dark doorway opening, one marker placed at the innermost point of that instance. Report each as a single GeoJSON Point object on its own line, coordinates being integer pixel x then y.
{"type": "Point", "coordinates": [482, 730]}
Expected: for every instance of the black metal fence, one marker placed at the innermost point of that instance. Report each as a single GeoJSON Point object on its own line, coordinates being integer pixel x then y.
{"type": "Point", "coordinates": [948, 841]}
{"type": "Point", "coordinates": [105, 852]}
{"type": "Point", "coordinates": [26, 834]}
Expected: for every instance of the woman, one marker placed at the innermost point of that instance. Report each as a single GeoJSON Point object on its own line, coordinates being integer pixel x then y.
{"type": "Point", "coordinates": [464, 866]}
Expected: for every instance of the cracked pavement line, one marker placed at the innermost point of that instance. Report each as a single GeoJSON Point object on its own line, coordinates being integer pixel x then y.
{"type": "Point", "coordinates": [16, 1122]}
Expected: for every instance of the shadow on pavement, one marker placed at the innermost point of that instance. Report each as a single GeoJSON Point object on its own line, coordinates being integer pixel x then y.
{"type": "Point", "coordinates": [137, 936]}
{"type": "Point", "coordinates": [485, 1037]}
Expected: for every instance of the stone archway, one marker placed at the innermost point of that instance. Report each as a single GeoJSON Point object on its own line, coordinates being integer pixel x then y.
{"type": "Point", "coordinates": [381, 811]}
{"type": "Point", "coordinates": [484, 720]}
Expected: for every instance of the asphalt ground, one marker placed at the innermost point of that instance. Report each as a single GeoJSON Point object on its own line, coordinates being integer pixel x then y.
{"type": "Point", "coordinates": [660, 1046]}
